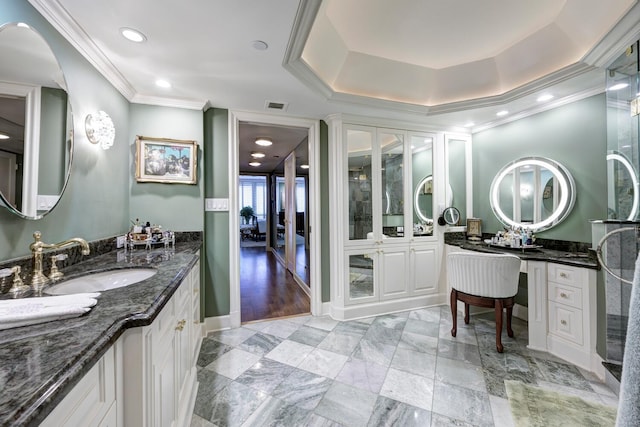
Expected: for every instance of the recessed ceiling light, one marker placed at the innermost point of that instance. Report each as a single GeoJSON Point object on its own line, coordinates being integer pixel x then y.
{"type": "Point", "coordinates": [259, 45]}
{"type": "Point", "coordinates": [254, 164]}
{"type": "Point", "coordinates": [469, 124]}
{"type": "Point", "coordinates": [502, 113]}
{"type": "Point", "coordinates": [265, 142]}
{"type": "Point", "coordinates": [304, 166]}
{"type": "Point", "coordinates": [545, 97]}
{"type": "Point", "coordinates": [3, 136]}
{"type": "Point", "coordinates": [257, 155]}
{"type": "Point", "coordinates": [618, 86]}
{"type": "Point", "coordinates": [163, 83]}
{"type": "Point", "coordinates": [132, 35]}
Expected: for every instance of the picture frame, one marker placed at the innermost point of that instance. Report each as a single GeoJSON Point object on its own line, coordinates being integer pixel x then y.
{"type": "Point", "coordinates": [474, 228]}
{"type": "Point", "coordinates": [164, 160]}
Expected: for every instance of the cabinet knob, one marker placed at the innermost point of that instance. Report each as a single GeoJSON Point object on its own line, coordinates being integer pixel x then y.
{"type": "Point", "coordinates": [563, 295]}
{"type": "Point", "coordinates": [563, 322]}
{"type": "Point", "coordinates": [180, 325]}
{"type": "Point", "coordinates": [564, 275]}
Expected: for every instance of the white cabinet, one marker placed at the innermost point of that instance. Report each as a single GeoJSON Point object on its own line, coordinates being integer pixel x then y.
{"type": "Point", "coordinates": [92, 402]}
{"type": "Point", "coordinates": [388, 187]}
{"type": "Point", "coordinates": [159, 373]}
{"type": "Point", "coordinates": [562, 312]}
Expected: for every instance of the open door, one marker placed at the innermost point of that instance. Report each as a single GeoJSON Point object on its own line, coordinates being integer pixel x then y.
{"type": "Point", "coordinates": [290, 212]}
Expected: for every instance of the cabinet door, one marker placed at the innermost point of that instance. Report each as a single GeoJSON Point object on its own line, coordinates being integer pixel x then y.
{"type": "Point", "coordinates": [359, 174]}
{"type": "Point", "coordinates": [184, 355]}
{"type": "Point", "coordinates": [394, 275]}
{"type": "Point", "coordinates": [361, 280]}
{"type": "Point", "coordinates": [424, 270]}
{"type": "Point", "coordinates": [164, 382]}
{"type": "Point", "coordinates": [392, 183]}
{"type": "Point", "coordinates": [196, 331]}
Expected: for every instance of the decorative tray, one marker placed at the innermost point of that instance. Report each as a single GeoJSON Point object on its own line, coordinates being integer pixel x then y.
{"type": "Point", "coordinates": [508, 246]}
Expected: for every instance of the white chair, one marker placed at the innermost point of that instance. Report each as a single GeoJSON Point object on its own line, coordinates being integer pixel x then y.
{"type": "Point", "coordinates": [483, 280]}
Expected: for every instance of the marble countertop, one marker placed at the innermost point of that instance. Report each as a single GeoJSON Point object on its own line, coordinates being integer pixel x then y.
{"type": "Point", "coordinates": [40, 364]}
{"type": "Point", "coordinates": [576, 259]}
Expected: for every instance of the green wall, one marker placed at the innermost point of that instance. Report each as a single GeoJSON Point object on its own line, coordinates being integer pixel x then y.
{"type": "Point", "coordinates": [325, 267]}
{"type": "Point", "coordinates": [53, 141]}
{"type": "Point", "coordinates": [177, 207]}
{"type": "Point", "coordinates": [574, 135]}
{"type": "Point", "coordinates": [216, 224]}
{"type": "Point", "coordinates": [96, 203]}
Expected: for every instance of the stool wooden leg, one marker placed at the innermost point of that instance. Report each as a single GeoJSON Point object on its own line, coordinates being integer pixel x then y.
{"type": "Point", "coordinates": [498, 310]}
{"type": "Point", "coordinates": [509, 315]}
{"type": "Point", "coordinates": [466, 313]}
{"type": "Point", "coordinates": [454, 311]}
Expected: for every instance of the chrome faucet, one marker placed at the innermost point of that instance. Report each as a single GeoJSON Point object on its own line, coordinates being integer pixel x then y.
{"type": "Point", "coordinates": [39, 279]}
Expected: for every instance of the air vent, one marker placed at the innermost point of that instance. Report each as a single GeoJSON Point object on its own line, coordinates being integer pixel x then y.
{"type": "Point", "coordinates": [273, 105]}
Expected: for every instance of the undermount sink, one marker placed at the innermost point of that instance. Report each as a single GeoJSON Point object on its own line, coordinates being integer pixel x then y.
{"type": "Point", "coordinates": [103, 281]}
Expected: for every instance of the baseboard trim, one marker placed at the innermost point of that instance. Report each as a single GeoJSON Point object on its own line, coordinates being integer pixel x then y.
{"type": "Point", "coordinates": [385, 307]}
{"type": "Point", "coordinates": [325, 309]}
{"type": "Point", "coordinates": [218, 323]}
{"type": "Point", "coordinates": [521, 312]}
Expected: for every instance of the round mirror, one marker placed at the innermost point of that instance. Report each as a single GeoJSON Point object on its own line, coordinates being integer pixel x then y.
{"type": "Point", "coordinates": [451, 216]}
{"type": "Point", "coordinates": [423, 200]}
{"type": "Point", "coordinates": [35, 124]}
{"type": "Point", "coordinates": [534, 193]}
{"type": "Point", "coordinates": [625, 187]}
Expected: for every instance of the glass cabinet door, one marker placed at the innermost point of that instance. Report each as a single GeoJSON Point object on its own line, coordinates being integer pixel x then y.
{"type": "Point", "coordinates": [392, 183]}
{"type": "Point", "coordinates": [359, 145]}
{"type": "Point", "coordinates": [361, 278]}
{"type": "Point", "coordinates": [422, 184]}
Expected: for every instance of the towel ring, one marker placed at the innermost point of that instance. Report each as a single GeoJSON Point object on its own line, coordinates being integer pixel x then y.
{"type": "Point", "coordinates": [599, 251]}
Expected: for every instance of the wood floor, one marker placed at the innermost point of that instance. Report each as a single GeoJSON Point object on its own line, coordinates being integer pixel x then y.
{"type": "Point", "coordinates": [267, 289]}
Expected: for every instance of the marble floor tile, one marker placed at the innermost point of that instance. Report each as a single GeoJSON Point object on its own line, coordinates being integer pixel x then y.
{"type": "Point", "coordinates": [324, 322]}
{"type": "Point", "coordinates": [308, 335]}
{"type": "Point", "coordinates": [340, 342]}
{"type": "Point", "coordinates": [234, 404]}
{"type": "Point", "coordinates": [374, 352]}
{"type": "Point", "coordinates": [401, 369]}
{"type": "Point", "coordinates": [265, 375]}
{"type": "Point", "coordinates": [430, 329]}
{"type": "Point", "coordinates": [260, 343]}
{"type": "Point", "coordinates": [417, 342]}
{"type": "Point", "coordinates": [407, 360]}
{"type": "Point", "coordinates": [303, 389]}
{"type": "Point", "coordinates": [389, 412]}
{"type": "Point", "coordinates": [210, 350]}
{"type": "Point", "coordinates": [365, 375]}
{"type": "Point", "coordinates": [463, 404]}
{"type": "Point", "coordinates": [347, 405]}
{"type": "Point", "coordinates": [460, 373]}
{"type": "Point", "coordinates": [459, 351]}
{"type": "Point", "coordinates": [281, 328]}
{"type": "Point", "coordinates": [323, 362]}
{"type": "Point", "coordinates": [289, 352]}
{"type": "Point", "coordinates": [232, 337]}
{"type": "Point", "coordinates": [412, 389]}
{"type": "Point", "coordinates": [233, 363]}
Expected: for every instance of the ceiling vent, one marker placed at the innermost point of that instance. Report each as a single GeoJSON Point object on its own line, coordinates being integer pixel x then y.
{"type": "Point", "coordinates": [276, 106]}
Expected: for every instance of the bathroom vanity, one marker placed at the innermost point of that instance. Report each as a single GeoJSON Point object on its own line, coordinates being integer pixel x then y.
{"type": "Point", "coordinates": [561, 308]}
{"type": "Point", "coordinates": [129, 361]}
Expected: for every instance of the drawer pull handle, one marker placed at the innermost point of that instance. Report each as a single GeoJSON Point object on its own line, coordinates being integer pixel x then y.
{"type": "Point", "coordinates": [563, 295]}
{"type": "Point", "coordinates": [563, 322]}
{"type": "Point", "coordinates": [180, 325]}
{"type": "Point", "coordinates": [564, 275]}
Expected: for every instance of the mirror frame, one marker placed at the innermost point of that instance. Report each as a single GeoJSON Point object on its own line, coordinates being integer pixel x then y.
{"type": "Point", "coordinates": [567, 193]}
{"type": "Point", "coordinates": [617, 156]}
{"type": "Point", "coordinates": [32, 133]}
{"type": "Point", "coordinates": [417, 192]}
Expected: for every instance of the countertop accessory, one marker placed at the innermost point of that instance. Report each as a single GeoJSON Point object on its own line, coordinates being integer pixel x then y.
{"type": "Point", "coordinates": [474, 229]}
{"type": "Point", "coordinates": [29, 311]}
{"type": "Point", "coordinates": [56, 274]}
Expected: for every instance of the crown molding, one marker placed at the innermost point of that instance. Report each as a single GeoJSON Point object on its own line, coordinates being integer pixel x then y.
{"type": "Point", "coordinates": [60, 19]}
{"type": "Point", "coordinates": [189, 104]}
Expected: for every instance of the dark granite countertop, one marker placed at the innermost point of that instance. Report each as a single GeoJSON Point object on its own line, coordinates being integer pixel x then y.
{"type": "Point", "coordinates": [40, 364]}
{"type": "Point", "coordinates": [577, 259]}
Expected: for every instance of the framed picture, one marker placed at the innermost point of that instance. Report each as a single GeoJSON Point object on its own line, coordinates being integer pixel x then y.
{"type": "Point", "coordinates": [171, 161]}
{"type": "Point", "coordinates": [474, 228]}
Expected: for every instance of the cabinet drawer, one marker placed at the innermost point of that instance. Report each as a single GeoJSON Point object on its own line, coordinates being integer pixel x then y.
{"type": "Point", "coordinates": [566, 322]}
{"type": "Point", "coordinates": [566, 275]}
{"type": "Point", "coordinates": [565, 294]}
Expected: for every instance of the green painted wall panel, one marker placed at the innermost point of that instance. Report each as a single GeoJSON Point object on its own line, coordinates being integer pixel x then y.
{"type": "Point", "coordinates": [324, 212]}
{"type": "Point", "coordinates": [216, 224]}
{"type": "Point", "coordinates": [177, 207]}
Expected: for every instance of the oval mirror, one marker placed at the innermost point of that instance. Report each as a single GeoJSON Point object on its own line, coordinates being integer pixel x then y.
{"type": "Point", "coordinates": [35, 124]}
{"type": "Point", "coordinates": [423, 200]}
{"type": "Point", "coordinates": [534, 193]}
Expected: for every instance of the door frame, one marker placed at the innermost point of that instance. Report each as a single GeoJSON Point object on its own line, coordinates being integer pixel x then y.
{"type": "Point", "coordinates": [313, 126]}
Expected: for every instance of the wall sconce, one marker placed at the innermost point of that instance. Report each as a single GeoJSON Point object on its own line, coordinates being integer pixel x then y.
{"type": "Point", "coordinates": [100, 129]}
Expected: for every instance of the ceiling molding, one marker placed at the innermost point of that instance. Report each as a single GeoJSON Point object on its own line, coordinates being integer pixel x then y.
{"type": "Point", "coordinates": [545, 107]}
{"type": "Point", "coordinates": [621, 36]}
{"type": "Point", "coordinates": [58, 16]}
{"type": "Point", "coordinates": [169, 102]}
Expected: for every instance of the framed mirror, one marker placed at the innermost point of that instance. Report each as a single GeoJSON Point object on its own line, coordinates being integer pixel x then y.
{"type": "Point", "coordinates": [458, 174]}
{"type": "Point", "coordinates": [36, 124]}
{"type": "Point", "coordinates": [422, 184]}
{"type": "Point", "coordinates": [535, 193]}
{"type": "Point", "coordinates": [623, 187]}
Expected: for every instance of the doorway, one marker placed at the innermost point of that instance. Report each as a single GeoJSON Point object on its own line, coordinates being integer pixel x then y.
{"type": "Point", "coordinates": [265, 267]}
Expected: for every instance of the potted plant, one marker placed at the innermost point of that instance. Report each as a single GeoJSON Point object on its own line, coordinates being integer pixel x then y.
{"type": "Point", "coordinates": [247, 213]}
